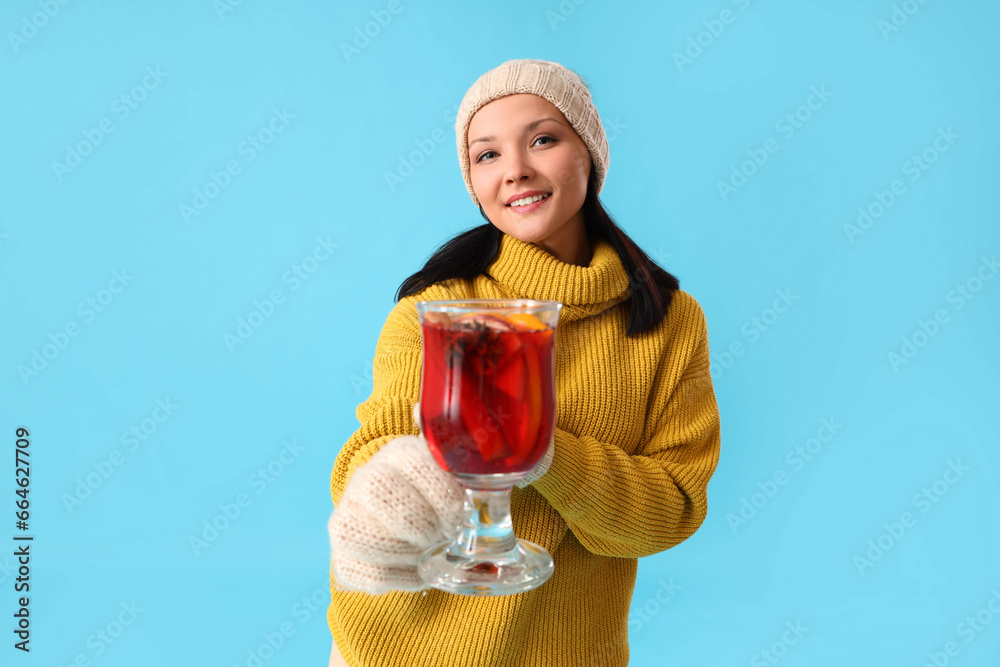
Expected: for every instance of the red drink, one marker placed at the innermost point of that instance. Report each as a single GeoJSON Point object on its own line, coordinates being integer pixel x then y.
{"type": "Point", "coordinates": [487, 403]}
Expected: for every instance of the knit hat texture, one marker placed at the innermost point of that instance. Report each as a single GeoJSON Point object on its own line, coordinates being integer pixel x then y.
{"type": "Point", "coordinates": [551, 81]}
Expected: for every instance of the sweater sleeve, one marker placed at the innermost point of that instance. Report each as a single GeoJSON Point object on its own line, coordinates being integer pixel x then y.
{"type": "Point", "coordinates": [388, 412]}
{"type": "Point", "coordinates": [630, 506]}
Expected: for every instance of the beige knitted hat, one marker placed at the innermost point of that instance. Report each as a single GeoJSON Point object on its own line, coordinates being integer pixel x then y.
{"type": "Point", "coordinates": [551, 81]}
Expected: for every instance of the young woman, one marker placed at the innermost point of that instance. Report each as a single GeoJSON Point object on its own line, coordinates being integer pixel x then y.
{"type": "Point", "coordinates": [637, 434]}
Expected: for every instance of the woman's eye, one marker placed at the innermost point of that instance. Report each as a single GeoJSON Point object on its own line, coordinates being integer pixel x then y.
{"type": "Point", "coordinates": [488, 153]}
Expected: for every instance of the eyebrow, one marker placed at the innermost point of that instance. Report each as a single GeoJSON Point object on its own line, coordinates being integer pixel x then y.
{"type": "Point", "coordinates": [530, 126]}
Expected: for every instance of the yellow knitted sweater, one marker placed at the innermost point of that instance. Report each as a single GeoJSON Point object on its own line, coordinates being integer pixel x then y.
{"type": "Point", "coordinates": [637, 439]}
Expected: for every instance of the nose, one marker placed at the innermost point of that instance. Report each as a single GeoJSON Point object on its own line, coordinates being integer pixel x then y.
{"type": "Point", "coordinates": [518, 167]}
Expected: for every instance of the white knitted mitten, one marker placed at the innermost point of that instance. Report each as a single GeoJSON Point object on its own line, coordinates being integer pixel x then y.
{"type": "Point", "coordinates": [394, 508]}
{"type": "Point", "coordinates": [536, 473]}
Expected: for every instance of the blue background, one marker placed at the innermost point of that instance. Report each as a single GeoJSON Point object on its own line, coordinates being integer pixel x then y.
{"type": "Point", "coordinates": [350, 115]}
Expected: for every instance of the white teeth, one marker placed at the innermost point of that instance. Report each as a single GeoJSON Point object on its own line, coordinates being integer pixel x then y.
{"type": "Point", "coordinates": [527, 200]}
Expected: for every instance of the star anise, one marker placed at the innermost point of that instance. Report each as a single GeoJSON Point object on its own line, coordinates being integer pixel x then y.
{"type": "Point", "coordinates": [479, 341]}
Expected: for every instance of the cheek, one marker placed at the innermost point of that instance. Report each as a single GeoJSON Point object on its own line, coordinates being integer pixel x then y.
{"type": "Point", "coordinates": [575, 169]}
{"type": "Point", "coordinates": [483, 176]}
{"type": "Point", "coordinates": [583, 163]}
{"type": "Point", "coordinates": [480, 185]}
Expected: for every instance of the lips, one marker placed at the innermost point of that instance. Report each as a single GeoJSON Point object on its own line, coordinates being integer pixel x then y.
{"type": "Point", "coordinates": [525, 195]}
{"type": "Point", "coordinates": [531, 206]}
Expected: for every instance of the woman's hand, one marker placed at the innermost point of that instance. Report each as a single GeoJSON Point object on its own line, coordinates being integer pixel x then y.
{"type": "Point", "coordinates": [394, 508]}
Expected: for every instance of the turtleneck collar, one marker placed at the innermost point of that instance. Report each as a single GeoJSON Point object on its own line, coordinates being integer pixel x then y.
{"type": "Point", "coordinates": [525, 271]}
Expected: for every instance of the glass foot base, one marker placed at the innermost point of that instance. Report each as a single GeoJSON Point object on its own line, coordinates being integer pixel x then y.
{"type": "Point", "coordinates": [446, 568]}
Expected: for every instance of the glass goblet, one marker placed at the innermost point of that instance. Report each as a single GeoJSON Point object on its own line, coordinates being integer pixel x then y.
{"type": "Point", "coordinates": [487, 409]}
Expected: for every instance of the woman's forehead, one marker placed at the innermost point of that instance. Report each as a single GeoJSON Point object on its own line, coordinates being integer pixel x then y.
{"type": "Point", "coordinates": [512, 110]}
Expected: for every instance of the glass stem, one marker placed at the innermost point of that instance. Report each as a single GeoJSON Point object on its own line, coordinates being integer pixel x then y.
{"type": "Point", "coordinates": [487, 531]}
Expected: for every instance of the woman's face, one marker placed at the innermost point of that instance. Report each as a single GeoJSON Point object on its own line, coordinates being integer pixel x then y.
{"type": "Point", "coordinates": [522, 145]}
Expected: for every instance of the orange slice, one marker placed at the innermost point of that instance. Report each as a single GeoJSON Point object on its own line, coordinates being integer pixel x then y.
{"type": "Point", "coordinates": [533, 397]}
{"type": "Point", "coordinates": [526, 322]}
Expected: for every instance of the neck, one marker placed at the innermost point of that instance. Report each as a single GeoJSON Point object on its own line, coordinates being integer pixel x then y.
{"type": "Point", "coordinates": [571, 246]}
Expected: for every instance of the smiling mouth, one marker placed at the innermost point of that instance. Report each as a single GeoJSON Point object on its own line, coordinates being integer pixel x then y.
{"type": "Point", "coordinates": [529, 204]}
